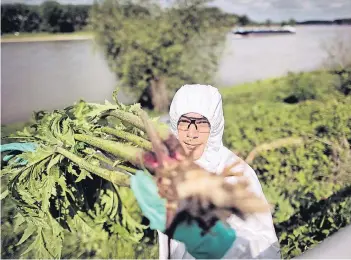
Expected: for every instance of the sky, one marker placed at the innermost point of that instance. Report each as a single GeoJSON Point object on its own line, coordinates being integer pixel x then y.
{"type": "Point", "coordinates": [279, 10]}
{"type": "Point", "coordinates": [261, 10]}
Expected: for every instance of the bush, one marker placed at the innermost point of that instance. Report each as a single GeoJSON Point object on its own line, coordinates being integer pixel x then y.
{"type": "Point", "coordinates": [306, 86]}
{"type": "Point", "coordinates": [310, 225]}
{"type": "Point", "coordinates": [338, 62]}
{"type": "Point", "coordinates": [342, 80]}
{"type": "Point", "coordinates": [300, 151]}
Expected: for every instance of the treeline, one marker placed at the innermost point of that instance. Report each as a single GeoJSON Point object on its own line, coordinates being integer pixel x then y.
{"type": "Point", "coordinates": [54, 17]}
{"type": "Point", "coordinates": [327, 22]}
{"type": "Point", "coordinates": [50, 16]}
{"type": "Point", "coordinates": [244, 21]}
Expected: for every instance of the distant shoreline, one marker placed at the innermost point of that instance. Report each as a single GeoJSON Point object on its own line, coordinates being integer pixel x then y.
{"type": "Point", "coordinates": [47, 37]}
{"type": "Point", "coordinates": [86, 35]}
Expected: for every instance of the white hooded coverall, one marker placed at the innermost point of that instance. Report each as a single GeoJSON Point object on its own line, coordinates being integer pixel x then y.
{"type": "Point", "coordinates": [256, 237]}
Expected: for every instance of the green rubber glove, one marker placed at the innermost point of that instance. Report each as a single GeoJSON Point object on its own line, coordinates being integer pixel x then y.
{"type": "Point", "coordinates": [212, 245]}
{"type": "Point", "coordinates": [14, 147]}
{"type": "Point", "coordinates": [152, 205]}
{"type": "Point", "coordinates": [23, 147]}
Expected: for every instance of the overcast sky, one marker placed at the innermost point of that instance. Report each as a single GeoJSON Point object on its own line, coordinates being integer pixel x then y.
{"type": "Point", "coordinates": [260, 10]}
{"type": "Point", "coordinates": [285, 9]}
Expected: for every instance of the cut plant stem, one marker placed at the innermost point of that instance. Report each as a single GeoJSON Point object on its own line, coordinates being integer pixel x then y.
{"type": "Point", "coordinates": [136, 121]}
{"type": "Point", "coordinates": [103, 158]}
{"type": "Point", "coordinates": [129, 137]}
{"type": "Point", "coordinates": [115, 177]}
{"type": "Point", "coordinates": [128, 117]}
{"type": "Point", "coordinates": [123, 151]}
{"type": "Point", "coordinates": [126, 168]}
{"type": "Point", "coordinates": [108, 161]}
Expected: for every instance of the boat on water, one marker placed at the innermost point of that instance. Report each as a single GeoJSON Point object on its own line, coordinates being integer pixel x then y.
{"type": "Point", "coordinates": [264, 31]}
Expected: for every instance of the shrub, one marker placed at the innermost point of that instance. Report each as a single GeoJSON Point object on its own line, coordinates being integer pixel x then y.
{"type": "Point", "coordinates": [300, 152]}
{"type": "Point", "coordinates": [306, 86]}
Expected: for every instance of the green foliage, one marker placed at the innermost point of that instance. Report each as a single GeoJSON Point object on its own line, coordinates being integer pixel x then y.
{"type": "Point", "coordinates": [12, 18]}
{"type": "Point", "coordinates": [50, 16]}
{"type": "Point", "coordinates": [307, 86]}
{"type": "Point", "coordinates": [305, 181]}
{"type": "Point", "coordinates": [180, 44]}
{"type": "Point", "coordinates": [343, 80]}
{"type": "Point", "coordinates": [65, 197]}
{"type": "Point", "coordinates": [313, 224]}
{"type": "Point", "coordinates": [338, 62]}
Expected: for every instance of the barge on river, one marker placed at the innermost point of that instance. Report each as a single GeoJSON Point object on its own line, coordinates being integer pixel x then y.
{"type": "Point", "coordinates": [264, 31]}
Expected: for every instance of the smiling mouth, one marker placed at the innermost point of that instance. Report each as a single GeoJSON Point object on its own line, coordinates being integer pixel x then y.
{"type": "Point", "coordinates": [190, 146]}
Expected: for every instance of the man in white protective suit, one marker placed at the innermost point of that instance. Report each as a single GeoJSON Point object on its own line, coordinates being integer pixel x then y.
{"type": "Point", "coordinates": [196, 119]}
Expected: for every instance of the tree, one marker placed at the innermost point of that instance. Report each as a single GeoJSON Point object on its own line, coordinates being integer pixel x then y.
{"type": "Point", "coordinates": [243, 20]}
{"type": "Point", "coordinates": [80, 15]}
{"type": "Point", "coordinates": [49, 16]}
{"type": "Point", "coordinates": [153, 51]}
{"type": "Point", "coordinates": [292, 22]}
{"type": "Point", "coordinates": [268, 22]}
{"type": "Point", "coordinates": [51, 13]}
{"type": "Point", "coordinates": [32, 22]}
{"type": "Point", "coordinates": [10, 21]}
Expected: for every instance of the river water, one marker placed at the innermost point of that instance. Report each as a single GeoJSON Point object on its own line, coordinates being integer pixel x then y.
{"type": "Point", "coordinates": [49, 75]}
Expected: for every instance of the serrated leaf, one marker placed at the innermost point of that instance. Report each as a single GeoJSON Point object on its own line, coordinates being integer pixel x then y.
{"type": "Point", "coordinates": [27, 233]}
{"type": "Point", "coordinates": [135, 107]}
{"type": "Point", "coordinates": [72, 170]}
{"type": "Point", "coordinates": [62, 182]}
{"type": "Point", "coordinates": [39, 221]}
{"type": "Point", "coordinates": [19, 220]}
{"type": "Point", "coordinates": [83, 174]}
{"type": "Point", "coordinates": [34, 245]}
{"type": "Point", "coordinates": [107, 202]}
{"type": "Point", "coordinates": [27, 197]}
{"type": "Point", "coordinates": [78, 223]}
{"type": "Point", "coordinates": [48, 188]}
{"type": "Point", "coordinates": [36, 162]}
{"type": "Point", "coordinates": [54, 161]}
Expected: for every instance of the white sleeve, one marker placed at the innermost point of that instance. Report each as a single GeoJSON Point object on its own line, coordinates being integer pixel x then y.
{"type": "Point", "coordinates": [256, 236]}
{"type": "Point", "coordinates": [178, 249]}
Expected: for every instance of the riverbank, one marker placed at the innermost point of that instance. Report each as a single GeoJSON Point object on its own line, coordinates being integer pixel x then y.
{"type": "Point", "coordinates": [43, 37]}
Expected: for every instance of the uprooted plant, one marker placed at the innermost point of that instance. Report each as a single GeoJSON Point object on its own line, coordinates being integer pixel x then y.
{"type": "Point", "coordinates": [77, 176]}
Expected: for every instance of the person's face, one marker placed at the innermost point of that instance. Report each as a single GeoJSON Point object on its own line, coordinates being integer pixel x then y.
{"type": "Point", "coordinates": [193, 133]}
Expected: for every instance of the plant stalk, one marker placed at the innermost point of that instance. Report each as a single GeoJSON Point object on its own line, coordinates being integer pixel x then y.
{"type": "Point", "coordinates": [129, 137]}
{"type": "Point", "coordinates": [108, 161]}
{"type": "Point", "coordinates": [123, 151]}
{"type": "Point", "coordinates": [128, 169]}
{"type": "Point", "coordinates": [115, 177]}
{"type": "Point", "coordinates": [129, 117]}
{"type": "Point", "coordinates": [136, 121]}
